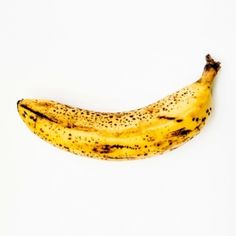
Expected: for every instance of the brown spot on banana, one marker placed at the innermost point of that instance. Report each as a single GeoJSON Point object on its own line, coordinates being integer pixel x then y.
{"type": "Point", "coordinates": [166, 117]}
{"type": "Point", "coordinates": [181, 132]}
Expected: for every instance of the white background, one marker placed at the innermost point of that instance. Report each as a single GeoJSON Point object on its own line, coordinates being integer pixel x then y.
{"type": "Point", "coordinates": [115, 56]}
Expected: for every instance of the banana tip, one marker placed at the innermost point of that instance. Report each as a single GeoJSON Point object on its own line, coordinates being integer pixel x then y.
{"type": "Point", "coordinates": [18, 102]}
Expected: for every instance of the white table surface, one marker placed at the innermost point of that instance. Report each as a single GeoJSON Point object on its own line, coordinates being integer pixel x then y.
{"type": "Point", "coordinates": [116, 56]}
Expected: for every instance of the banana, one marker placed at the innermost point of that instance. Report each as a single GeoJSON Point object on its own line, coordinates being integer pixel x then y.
{"type": "Point", "coordinates": [152, 130]}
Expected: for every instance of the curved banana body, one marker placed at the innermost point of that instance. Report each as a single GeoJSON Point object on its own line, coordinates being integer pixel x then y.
{"type": "Point", "coordinates": [136, 134]}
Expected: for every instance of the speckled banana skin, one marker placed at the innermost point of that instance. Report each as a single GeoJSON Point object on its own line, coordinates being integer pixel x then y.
{"type": "Point", "coordinates": [136, 134]}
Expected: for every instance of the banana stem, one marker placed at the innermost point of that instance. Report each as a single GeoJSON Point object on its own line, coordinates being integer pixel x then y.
{"type": "Point", "coordinates": [211, 64]}
{"type": "Point", "coordinates": [210, 70]}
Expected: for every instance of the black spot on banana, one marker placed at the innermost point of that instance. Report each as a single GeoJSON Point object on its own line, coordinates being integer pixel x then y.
{"type": "Point", "coordinates": [154, 129]}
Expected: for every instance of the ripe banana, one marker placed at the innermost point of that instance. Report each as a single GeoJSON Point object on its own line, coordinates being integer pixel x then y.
{"type": "Point", "coordinates": [135, 134]}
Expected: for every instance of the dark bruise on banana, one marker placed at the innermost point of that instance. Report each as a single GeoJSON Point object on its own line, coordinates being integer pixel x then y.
{"type": "Point", "coordinates": [154, 129]}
